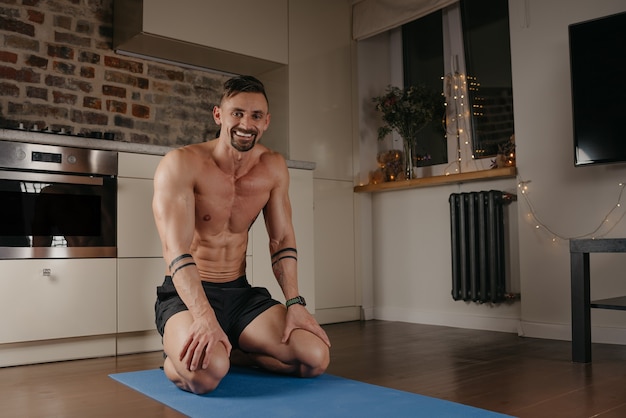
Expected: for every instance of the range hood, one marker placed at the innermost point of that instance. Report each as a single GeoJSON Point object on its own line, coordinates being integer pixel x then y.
{"type": "Point", "coordinates": [203, 34]}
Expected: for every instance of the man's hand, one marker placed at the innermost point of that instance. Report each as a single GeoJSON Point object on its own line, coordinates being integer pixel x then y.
{"type": "Point", "coordinates": [299, 318]}
{"type": "Point", "coordinates": [204, 335]}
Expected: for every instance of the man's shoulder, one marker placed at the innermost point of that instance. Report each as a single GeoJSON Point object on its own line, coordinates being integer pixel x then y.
{"type": "Point", "coordinates": [189, 152]}
{"type": "Point", "coordinates": [184, 160]}
{"type": "Point", "coordinates": [274, 165]}
{"type": "Point", "coordinates": [272, 158]}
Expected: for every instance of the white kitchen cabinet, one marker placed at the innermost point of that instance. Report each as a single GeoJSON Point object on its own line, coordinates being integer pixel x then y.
{"type": "Point", "coordinates": [57, 298]}
{"type": "Point", "coordinates": [137, 280]}
{"type": "Point", "coordinates": [137, 235]}
{"type": "Point", "coordinates": [270, 21]}
{"type": "Point", "coordinates": [141, 166]}
{"type": "Point", "coordinates": [89, 307]}
{"type": "Point", "coordinates": [336, 285]}
{"type": "Point", "coordinates": [140, 265]}
{"type": "Point", "coordinates": [197, 36]}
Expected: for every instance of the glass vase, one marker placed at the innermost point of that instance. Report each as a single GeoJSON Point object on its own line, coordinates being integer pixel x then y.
{"type": "Point", "coordinates": [408, 158]}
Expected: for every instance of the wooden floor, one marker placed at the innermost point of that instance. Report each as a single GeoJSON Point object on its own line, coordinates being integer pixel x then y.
{"type": "Point", "coordinates": [501, 372]}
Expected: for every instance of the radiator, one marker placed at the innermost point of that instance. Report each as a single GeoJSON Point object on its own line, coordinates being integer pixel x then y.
{"type": "Point", "coordinates": [478, 247]}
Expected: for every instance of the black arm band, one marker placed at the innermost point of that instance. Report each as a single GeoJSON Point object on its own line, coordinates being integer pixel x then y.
{"type": "Point", "coordinates": [285, 256]}
{"type": "Point", "coordinates": [283, 250]}
{"type": "Point", "coordinates": [191, 263]}
{"type": "Point", "coordinates": [177, 259]}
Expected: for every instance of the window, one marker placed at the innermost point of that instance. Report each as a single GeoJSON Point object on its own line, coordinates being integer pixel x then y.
{"type": "Point", "coordinates": [468, 44]}
{"type": "Point", "coordinates": [423, 64]}
{"type": "Point", "coordinates": [488, 66]}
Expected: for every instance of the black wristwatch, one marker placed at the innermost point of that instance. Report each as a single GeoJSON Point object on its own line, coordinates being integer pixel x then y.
{"type": "Point", "coordinates": [297, 300]}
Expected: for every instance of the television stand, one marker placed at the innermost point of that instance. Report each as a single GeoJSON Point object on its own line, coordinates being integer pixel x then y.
{"type": "Point", "coordinates": [581, 303]}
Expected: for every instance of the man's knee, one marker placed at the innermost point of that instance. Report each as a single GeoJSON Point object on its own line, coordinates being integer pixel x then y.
{"type": "Point", "coordinates": [316, 362]}
{"type": "Point", "coordinates": [207, 380]}
{"type": "Point", "coordinates": [201, 381]}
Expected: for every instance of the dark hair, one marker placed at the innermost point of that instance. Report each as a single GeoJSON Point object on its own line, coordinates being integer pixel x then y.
{"type": "Point", "coordinates": [243, 84]}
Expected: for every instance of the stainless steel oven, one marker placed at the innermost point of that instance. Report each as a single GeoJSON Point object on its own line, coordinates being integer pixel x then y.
{"type": "Point", "coordinates": [57, 202]}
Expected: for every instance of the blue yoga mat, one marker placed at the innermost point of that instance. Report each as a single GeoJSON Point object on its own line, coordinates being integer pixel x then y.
{"type": "Point", "coordinates": [253, 393]}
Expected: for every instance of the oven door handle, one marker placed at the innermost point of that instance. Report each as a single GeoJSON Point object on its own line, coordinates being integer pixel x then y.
{"type": "Point", "coordinates": [50, 178]}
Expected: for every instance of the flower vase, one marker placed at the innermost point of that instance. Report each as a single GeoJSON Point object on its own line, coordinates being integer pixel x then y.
{"type": "Point", "coordinates": [408, 159]}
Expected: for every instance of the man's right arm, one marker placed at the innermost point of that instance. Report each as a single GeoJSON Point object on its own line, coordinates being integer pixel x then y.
{"type": "Point", "coordinates": [174, 212]}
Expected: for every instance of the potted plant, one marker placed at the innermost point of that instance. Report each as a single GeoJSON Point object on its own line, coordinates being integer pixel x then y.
{"type": "Point", "coordinates": [407, 111]}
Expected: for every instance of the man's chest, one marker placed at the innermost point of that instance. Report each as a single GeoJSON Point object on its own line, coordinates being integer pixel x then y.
{"type": "Point", "coordinates": [229, 204]}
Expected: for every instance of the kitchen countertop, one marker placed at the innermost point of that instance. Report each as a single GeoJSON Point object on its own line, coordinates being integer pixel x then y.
{"type": "Point", "coordinates": [103, 144]}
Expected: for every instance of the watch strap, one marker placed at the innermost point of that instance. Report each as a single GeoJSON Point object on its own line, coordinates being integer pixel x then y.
{"type": "Point", "coordinates": [297, 300]}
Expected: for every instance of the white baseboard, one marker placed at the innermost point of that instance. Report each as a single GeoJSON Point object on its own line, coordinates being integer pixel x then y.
{"type": "Point", "coordinates": [16, 354]}
{"type": "Point", "coordinates": [139, 342]}
{"type": "Point", "coordinates": [334, 315]}
{"type": "Point", "coordinates": [46, 351]}
{"type": "Point", "coordinates": [486, 323]}
{"type": "Point", "coordinates": [367, 313]}
{"type": "Point", "coordinates": [599, 334]}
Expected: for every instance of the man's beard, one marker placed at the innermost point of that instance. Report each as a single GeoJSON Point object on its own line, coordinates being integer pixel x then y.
{"type": "Point", "coordinates": [243, 146]}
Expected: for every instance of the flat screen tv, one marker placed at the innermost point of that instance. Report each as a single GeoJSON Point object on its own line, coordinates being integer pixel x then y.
{"type": "Point", "coordinates": [598, 75]}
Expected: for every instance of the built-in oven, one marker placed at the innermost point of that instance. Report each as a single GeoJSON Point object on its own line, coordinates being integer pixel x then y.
{"type": "Point", "coordinates": [57, 202]}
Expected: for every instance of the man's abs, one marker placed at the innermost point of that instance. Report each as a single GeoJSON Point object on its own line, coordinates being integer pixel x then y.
{"type": "Point", "coordinates": [220, 264]}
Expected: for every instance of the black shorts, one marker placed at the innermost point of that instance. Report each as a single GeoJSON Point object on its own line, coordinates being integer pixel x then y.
{"type": "Point", "coordinates": [235, 304]}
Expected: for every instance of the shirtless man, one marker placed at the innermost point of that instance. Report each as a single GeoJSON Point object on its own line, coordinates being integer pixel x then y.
{"type": "Point", "coordinates": [206, 197]}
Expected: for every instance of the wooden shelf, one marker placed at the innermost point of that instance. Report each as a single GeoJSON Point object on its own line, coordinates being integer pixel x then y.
{"type": "Point", "coordinates": [496, 173]}
{"type": "Point", "coordinates": [618, 303]}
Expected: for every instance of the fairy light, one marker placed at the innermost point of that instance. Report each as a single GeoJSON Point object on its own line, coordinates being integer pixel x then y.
{"type": "Point", "coordinates": [605, 223]}
{"type": "Point", "coordinates": [457, 119]}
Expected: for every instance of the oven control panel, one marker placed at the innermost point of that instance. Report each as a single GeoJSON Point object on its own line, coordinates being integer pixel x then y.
{"type": "Point", "coordinates": [53, 158]}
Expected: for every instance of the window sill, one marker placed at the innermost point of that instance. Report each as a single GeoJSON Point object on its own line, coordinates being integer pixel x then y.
{"type": "Point", "coordinates": [496, 173]}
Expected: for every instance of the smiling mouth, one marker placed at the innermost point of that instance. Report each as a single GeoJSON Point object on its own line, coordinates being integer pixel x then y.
{"type": "Point", "coordinates": [244, 134]}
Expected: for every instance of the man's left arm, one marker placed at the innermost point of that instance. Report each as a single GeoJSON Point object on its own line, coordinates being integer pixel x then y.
{"type": "Point", "coordinates": [283, 250]}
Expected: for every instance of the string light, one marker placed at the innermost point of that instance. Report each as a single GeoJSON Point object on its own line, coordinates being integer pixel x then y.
{"type": "Point", "coordinates": [605, 223]}
{"type": "Point", "coordinates": [457, 119]}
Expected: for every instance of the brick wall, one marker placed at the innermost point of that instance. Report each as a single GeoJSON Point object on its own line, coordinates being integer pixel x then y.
{"type": "Point", "coordinates": [58, 71]}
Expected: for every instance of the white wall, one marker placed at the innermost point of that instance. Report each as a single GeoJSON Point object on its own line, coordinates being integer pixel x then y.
{"type": "Point", "coordinates": [409, 229]}
{"type": "Point", "coordinates": [570, 200]}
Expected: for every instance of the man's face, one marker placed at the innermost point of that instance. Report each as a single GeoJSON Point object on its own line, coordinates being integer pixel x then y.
{"type": "Point", "coordinates": [243, 117]}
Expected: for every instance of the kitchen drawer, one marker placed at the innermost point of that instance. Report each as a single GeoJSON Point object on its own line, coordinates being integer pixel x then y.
{"type": "Point", "coordinates": [57, 298]}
